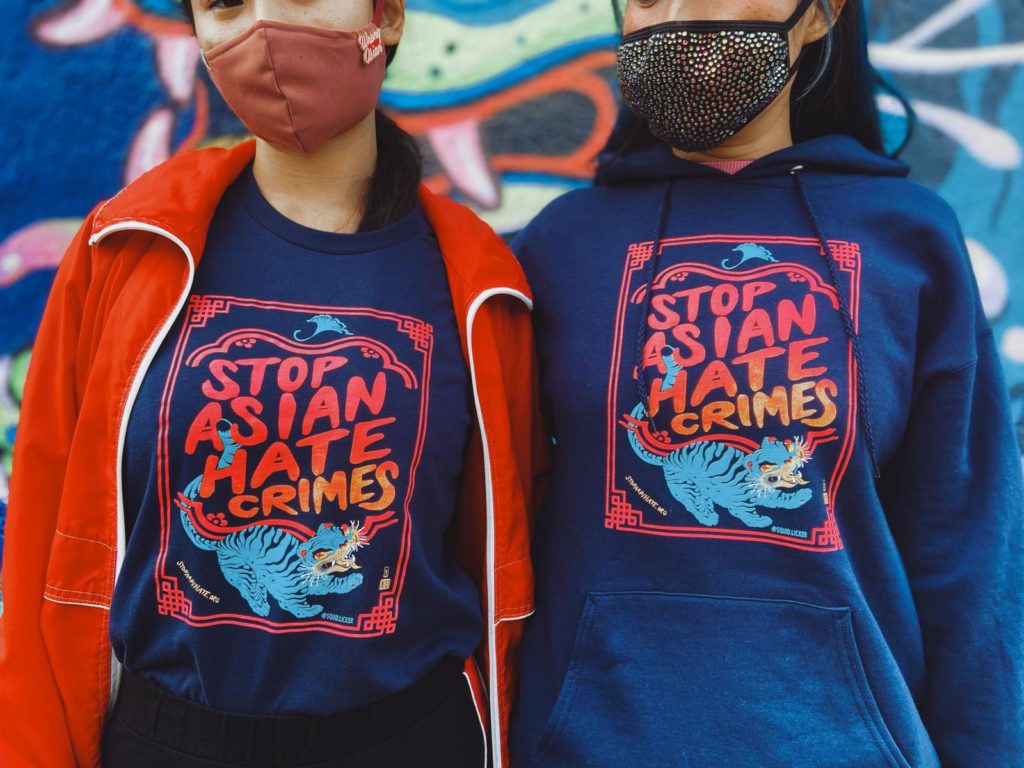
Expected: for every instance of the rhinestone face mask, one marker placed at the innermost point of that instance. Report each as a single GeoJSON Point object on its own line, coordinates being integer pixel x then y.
{"type": "Point", "coordinates": [698, 83]}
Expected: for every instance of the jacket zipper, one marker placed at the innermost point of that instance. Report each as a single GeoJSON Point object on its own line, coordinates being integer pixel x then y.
{"type": "Point", "coordinates": [139, 375]}
{"type": "Point", "coordinates": [492, 660]}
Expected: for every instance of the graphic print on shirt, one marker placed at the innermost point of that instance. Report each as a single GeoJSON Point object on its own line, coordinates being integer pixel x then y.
{"type": "Point", "coordinates": [285, 491]}
{"type": "Point", "coordinates": [751, 386]}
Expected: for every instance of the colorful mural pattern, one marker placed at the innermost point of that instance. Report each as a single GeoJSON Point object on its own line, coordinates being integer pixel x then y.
{"type": "Point", "coordinates": [511, 100]}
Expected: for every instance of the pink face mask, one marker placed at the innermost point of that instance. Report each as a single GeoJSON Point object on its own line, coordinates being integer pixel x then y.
{"type": "Point", "coordinates": [299, 86]}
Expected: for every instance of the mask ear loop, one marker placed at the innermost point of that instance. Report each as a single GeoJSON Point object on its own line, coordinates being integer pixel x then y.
{"type": "Point", "coordinates": [792, 21]}
{"type": "Point", "coordinates": [378, 13]}
{"type": "Point", "coordinates": [799, 13]}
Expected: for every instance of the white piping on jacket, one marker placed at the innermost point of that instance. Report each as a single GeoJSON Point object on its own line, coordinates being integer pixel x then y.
{"type": "Point", "coordinates": [520, 617]}
{"type": "Point", "coordinates": [76, 602]}
{"type": "Point", "coordinates": [140, 373]}
{"type": "Point", "coordinates": [492, 661]}
{"type": "Point", "coordinates": [479, 713]}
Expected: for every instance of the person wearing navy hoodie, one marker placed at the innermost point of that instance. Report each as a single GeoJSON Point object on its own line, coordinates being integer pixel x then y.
{"type": "Point", "coordinates": [275, 455]}
{"type": "Point", "coordinates": [784, 522]}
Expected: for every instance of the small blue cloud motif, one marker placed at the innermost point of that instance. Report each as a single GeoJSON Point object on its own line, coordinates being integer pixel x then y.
{"type": "Point", "coordinates": [324, 324]}
{"type": "Point", "coordinates": [749, 251]}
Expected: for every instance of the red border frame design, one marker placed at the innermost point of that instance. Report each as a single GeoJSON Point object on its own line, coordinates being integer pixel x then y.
{"type": "Point", "coordinates": [620, 513]}
{"type": "Point", "coordinates": [382, 618]}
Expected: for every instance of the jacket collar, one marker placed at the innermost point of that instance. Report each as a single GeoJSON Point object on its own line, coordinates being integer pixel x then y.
{"type": "Point", "coordinates": [181, 196]}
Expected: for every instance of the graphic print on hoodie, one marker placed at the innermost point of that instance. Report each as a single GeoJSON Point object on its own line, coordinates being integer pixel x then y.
{"type": "Point", "coordinates": [749, 376]}
{"type": "Point", "coordinates": [292, 464]}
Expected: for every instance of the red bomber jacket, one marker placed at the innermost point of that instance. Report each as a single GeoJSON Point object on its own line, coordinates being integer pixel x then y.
{"type": "Point", "coordinates": [119, 289]}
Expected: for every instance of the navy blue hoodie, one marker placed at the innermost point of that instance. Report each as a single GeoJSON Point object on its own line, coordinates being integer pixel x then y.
{"type": "Point", "coordinates": [784, 525]}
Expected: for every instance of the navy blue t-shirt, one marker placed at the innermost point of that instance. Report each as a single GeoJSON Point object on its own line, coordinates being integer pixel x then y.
{"type": "Point", "coordinates": [291, 469]}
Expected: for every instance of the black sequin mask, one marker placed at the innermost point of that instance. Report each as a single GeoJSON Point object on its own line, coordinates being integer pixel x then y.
{"type": "Point", "coordinates": [698, 83]}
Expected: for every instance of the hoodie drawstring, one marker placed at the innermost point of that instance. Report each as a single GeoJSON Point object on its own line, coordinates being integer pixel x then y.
{"type": "Point", "coordinates": [844, 306]}
{"type": "Point", "coordinates": [645, 311]}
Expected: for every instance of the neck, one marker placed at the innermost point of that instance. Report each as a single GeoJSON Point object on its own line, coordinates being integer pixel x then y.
{"type": "Point", "coordinates": [326, 190]}
{"type": "Point", "coordinates": [767, 133]}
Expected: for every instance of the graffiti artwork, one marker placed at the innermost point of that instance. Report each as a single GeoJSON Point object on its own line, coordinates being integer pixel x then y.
{"type": "Point", "coordinates": [511, 101]}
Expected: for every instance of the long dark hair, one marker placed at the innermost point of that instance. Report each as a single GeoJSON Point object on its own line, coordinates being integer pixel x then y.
{"type": "Point", "coordinates": [391, 192]}
{"type": "Point", "coordinates": [834, 91]}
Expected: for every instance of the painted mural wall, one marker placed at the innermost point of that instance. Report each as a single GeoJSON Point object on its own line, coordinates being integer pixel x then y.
{"type": "Point", "coordinates": [511, 100]}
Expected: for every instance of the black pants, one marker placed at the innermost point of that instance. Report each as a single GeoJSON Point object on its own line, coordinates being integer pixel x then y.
{"type": "Point", "coordinates": [432, 724]}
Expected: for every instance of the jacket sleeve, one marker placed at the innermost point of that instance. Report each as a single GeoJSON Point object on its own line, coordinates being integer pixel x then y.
{"type": "Point", "coordinates": [956, 511]}
{"type": "Point", "coordinates": [33, 729]}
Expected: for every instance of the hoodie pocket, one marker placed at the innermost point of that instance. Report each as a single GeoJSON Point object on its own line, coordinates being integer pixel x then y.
{"type": "Point", "coordinates": [695, 681]}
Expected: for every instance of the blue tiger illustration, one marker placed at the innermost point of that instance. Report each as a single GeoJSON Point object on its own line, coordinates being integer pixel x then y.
{"type": "Point", "coordinates": [705, 474]}
{"type": "Point", "coordinates": [265, 559]}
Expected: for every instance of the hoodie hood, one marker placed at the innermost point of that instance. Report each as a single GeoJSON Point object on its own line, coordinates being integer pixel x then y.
{"type": "Point", "coordinates": [837, 154]}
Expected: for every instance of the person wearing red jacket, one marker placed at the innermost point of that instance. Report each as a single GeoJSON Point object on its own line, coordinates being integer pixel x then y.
{"type": "Point", "coordinates": [279, 442]}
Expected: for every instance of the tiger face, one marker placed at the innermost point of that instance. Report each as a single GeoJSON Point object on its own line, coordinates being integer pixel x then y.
{"type": "Point", "coordinates": [332, 549]}
{"type": "Point", "coordinates": [775, 466]}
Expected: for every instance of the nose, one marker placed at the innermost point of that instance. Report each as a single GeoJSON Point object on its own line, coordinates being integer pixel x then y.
{"type": "Point", "coordinates": [689, 10]}
{"type": "Point", "coordinates": [270, 10]}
